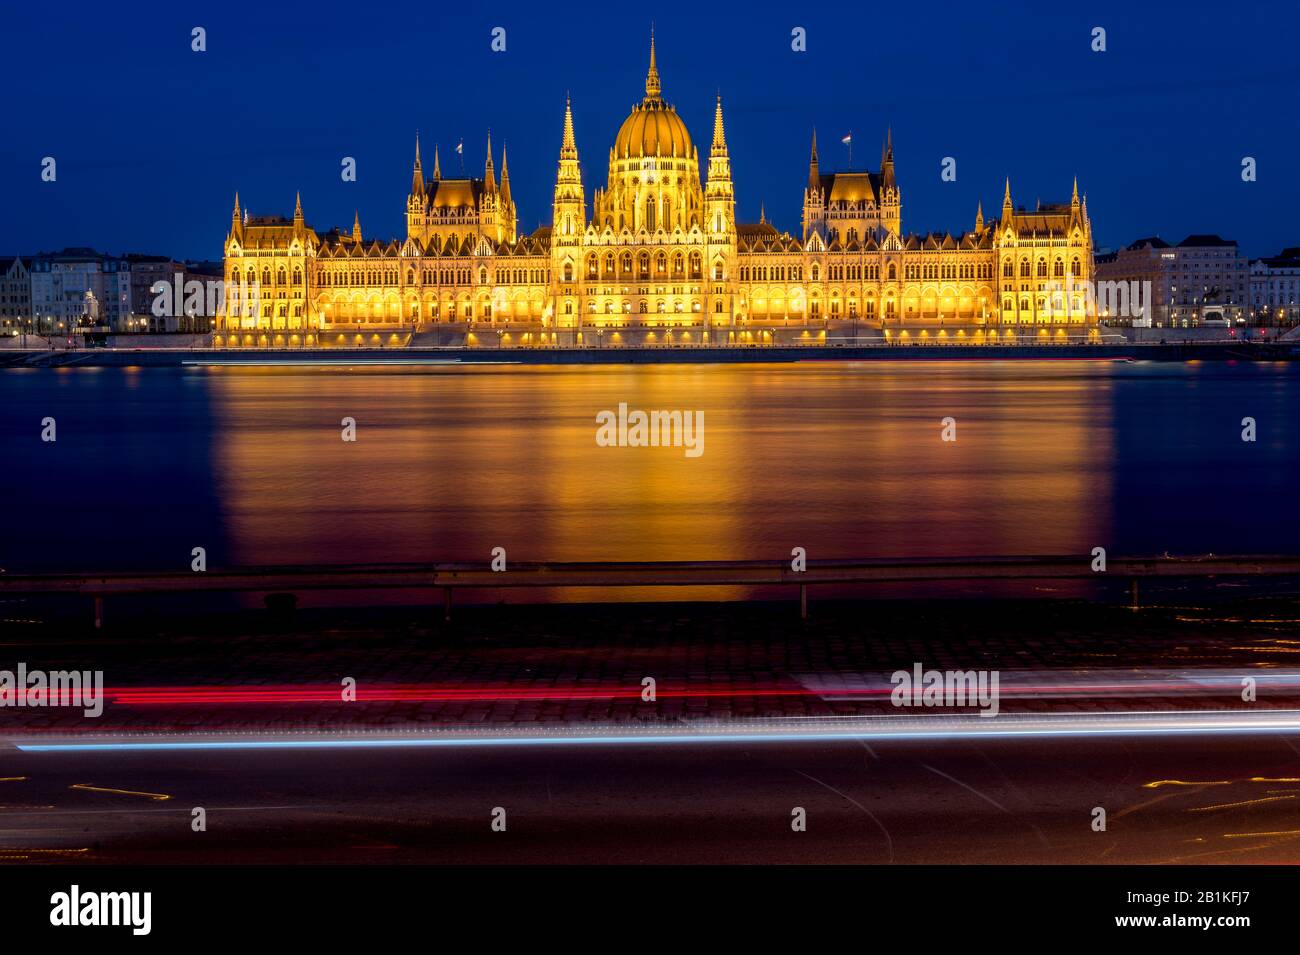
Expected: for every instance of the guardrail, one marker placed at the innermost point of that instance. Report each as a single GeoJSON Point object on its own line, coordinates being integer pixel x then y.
{"type": "Point", "coordinates": [755, 573]}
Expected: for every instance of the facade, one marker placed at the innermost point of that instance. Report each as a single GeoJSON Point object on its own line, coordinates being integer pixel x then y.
{"type": "Point", "coordinates": [1275, 288]}
{"type": "Point", "coordinates": [659, 258]}
{"type": "Point", "coordinates": [15, 294]}
{"type": "Point", "coordinates": [61, 282]}
{"type": "Point", "coordinates": [146, 272]}
{"type": "Point", "coordinates": [1202, 278]}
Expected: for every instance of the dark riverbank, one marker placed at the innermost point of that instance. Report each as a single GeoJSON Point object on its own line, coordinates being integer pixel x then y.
{"type": "Point", "coordinates": [167, 357]}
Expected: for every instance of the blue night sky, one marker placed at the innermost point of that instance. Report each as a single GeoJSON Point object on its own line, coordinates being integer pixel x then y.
{"type": "Point", "coordinates": [152, 140]}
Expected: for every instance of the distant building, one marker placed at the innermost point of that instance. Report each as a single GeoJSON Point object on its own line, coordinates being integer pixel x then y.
{"type": "Point", "coordinates": [146, 272]}
{"type": "Point", "coordinates": [1203, 278]}
{"type": "Point", "coordinates": [1275, 288]}
{"type": "Point", "coordinates": [15, 293]}
{"type": "Point", "coordinates": [210, 274]}
{"type": "Point", "coordinates": [60, 281]}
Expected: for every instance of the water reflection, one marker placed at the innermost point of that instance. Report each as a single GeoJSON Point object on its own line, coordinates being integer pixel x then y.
{"type": "Point", "coordinates": [844, 459]}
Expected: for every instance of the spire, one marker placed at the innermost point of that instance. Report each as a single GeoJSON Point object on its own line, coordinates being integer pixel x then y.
{"type": "Point", "coordinates": [505, 179]}
{"type": "Point", "coordinates": [887, 160]}
{"type": "Point", "coordinates": [814, 179]}
{"type": "Point", "coordinates": [297, 209]}
{"type": "Point", "coordinates": [652, 77]}
{"type": "Point", "coordinates": [979, 217]}
{"type": "Point", "coordinates": [236, 222]}
{"type": "Point", "coordinates": [1074, 199]}
{"type": "Point", "coordinates": [437, 172]}
{"type": "Point", "coordinates": [356, 227]}
{"type": "Point", "coordinates": [489, 177]}
{"type": "Point", "coordinates": [762, 213]}
{"type": "Point", "coordinates": [719, 147]}
{"type": "Point", "coordinates": [569, 148]}
{"type": "Point", "coordinates": [1007, 207]}
{"type": "Point", "coordinates": [417, 174]}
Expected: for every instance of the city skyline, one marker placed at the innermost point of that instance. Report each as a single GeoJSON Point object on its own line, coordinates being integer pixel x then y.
{"type": "Point", "coordinates": [231, 132]}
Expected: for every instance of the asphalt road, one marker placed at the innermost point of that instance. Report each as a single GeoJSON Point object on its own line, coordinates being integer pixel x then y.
{"type": "Point", "coordinates": [1192, 800]}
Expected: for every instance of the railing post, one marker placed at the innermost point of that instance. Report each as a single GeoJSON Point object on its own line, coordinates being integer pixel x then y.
{"type": "Point", "coordinates": [99, 611]}
{"type": "Point", "coordinates": [803, 601]}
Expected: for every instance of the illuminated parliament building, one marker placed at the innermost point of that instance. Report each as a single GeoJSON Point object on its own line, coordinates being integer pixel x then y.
{"type": "Point", "coordinates": [658, 258]}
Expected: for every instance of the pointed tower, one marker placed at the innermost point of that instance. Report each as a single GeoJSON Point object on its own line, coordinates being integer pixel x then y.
{"type": "Point", "coordinates": [417, 174]}
{"type": "Point", "coordinates": [489, 174]}
{"type": "Point", "coordinates": [891, 200]}
{"type": "Point", "coordinates": [298, 222]}
{"type": "Point", "coordinates": [508, 219]}
{"type": "Point", "coordinates": [356, 227]}
{"type": "Point", "coordinates": [719, 226]}
{"type": "Point", "coordinates": [979, 217]}
{"type": "Point", "coordinates": [568, 221]}
{"type": "Point", "coordinates": [437, 170]}
{"type": "Point", "coordinates": [417, 202]}
{"type": "Point", "coordinates": [814, 197]}
{"type": "Point", "coordinates": [719, 192]}
{"type": "Point", "coordinates": [814, 172]}
{"type": "Point", "coordinates": [1008, 210]}
{"type": "Point", "coordinates": [489, 203]}
{"type": "Point", "coordinates": [236, 222]}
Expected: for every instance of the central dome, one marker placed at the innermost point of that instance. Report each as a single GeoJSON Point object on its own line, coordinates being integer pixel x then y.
{"type": "Point", "coordinates": [653, 129]}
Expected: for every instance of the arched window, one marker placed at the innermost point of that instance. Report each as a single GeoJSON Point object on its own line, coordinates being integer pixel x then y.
{"type": "Point", "coordinates": [591, 265]}
{"type": "Point", "coordinates": [893, 272]}
{"type": "Point", "coordinates": [568, 271]}
{"type": "Point", "coordinates": [266, 276]}
{"type": "Point", "coordinates": [661, 263]}
{"type": "Point", "coordinates": [609, 265]}
{"type": "Point", "coordinates": [678, 264]}
{"type": "Point", "coordinates": [697, 265]}
{"type": "Point", "coordinates": [1024, 268]}
{"type": "Point", "coordinates": [643, 265]}
{"type": "Point", "coordinates": [1008, 269]}
{"type": "Point", "coordinates": [626, 265]}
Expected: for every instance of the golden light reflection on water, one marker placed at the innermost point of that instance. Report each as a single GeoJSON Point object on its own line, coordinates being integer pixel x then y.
{"type": "Point", "coordinates": [844, 459]}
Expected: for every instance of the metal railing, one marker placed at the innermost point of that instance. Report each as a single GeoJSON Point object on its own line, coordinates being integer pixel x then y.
{"type": "Point", "coordinates": [752, 573]}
